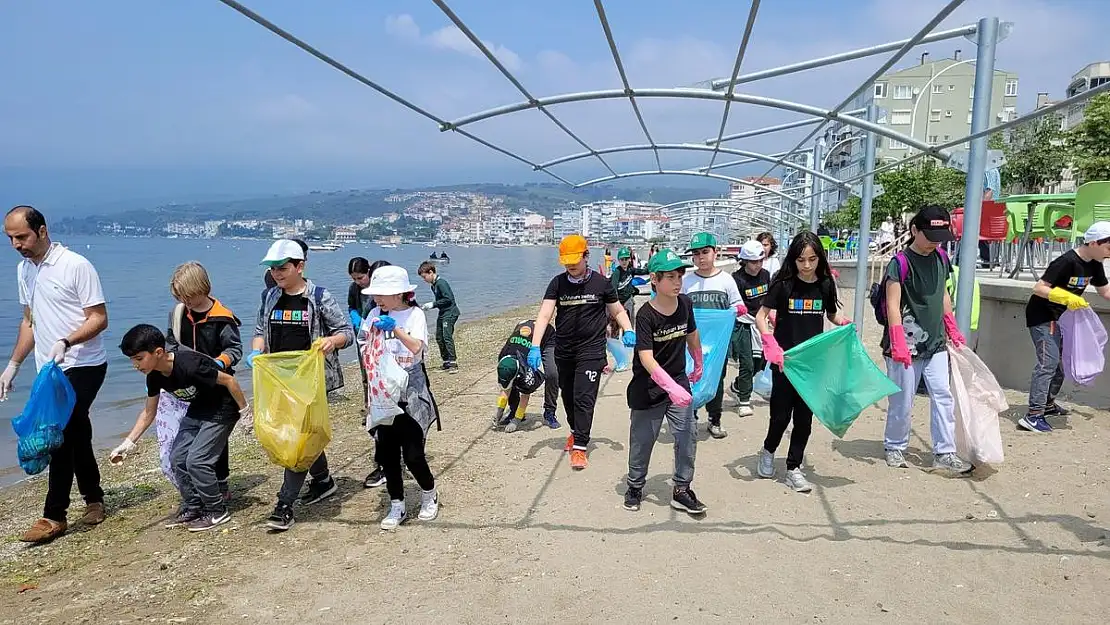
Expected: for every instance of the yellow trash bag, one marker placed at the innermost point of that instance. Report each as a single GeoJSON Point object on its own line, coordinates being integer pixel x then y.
{"type": "Point", "coordinates": [291, 407]}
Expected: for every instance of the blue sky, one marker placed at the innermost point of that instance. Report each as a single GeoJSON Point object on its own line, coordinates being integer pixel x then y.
{"type": "Point", "coordinates": [104, 102]}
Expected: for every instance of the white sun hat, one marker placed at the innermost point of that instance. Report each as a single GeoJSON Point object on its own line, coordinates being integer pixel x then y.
{"type": "Point", "coordinates": [389, 280]}
{"type": "Point", "coordinates": [1098, 231]}
{"type": "Point", "coordinates": [752, 250]}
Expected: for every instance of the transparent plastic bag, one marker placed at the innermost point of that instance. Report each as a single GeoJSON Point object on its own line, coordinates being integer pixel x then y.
{"type": "Point", "coordinates": [836, 377]}
{"type": "Point", "coordinates": [41, 425]}
{"type": "Point", "coordinates": [1084, 345]}
{"type": "Point", "coordinates": [715, 332]}
{"type": "Point", "coordinates": [291, 407]}
{"type": "Point", "coordinates": [386, 381]}
{"type": "Point", "coordinates": [979, 399]}
{"type": "Point", "coordinates": [166, 423]}
{"type": "Point", "coordinates": [761, 383]}
{"type": "Point", "coordinates": [622, 356]}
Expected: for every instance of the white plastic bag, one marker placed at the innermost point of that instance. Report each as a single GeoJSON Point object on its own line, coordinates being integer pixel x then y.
{"type": "Point", "coordinates": [166, 423]}
{"type": "Point", "coordinates": [979, 400]}
{"type": "Point", "coordinates": [386, 380]}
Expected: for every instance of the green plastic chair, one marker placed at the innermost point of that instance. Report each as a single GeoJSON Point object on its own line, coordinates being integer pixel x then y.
{"type": "Point", "coordinates": [1092, 203]}
{"type": "Point", "coordinates": [826, 242]}
{"type": "Point", "coordinates": [1017, 213]}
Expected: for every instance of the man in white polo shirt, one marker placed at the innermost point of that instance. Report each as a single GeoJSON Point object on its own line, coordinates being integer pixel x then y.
{"type": "Point", "coordinates": [63, 316]}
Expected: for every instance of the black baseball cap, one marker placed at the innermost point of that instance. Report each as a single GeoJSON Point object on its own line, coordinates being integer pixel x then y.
{"type": "Point", "coordinates": [935, 223]}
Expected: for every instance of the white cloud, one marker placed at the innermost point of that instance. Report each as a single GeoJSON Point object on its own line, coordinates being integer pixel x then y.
{"type": "Point", "coordinates": [449, 38]}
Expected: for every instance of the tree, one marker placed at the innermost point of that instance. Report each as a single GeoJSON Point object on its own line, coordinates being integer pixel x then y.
{"type": "Point", "coordinates": [1089, 142]}
{"type": "Point", "coordinates": [905, 189]}
{"type": "Point", "coordinates": [1035, 154]}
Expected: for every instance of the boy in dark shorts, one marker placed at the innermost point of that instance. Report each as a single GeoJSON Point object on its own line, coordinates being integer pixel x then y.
{"type": "Point", "coordinates": [660, 388]}
{"type": "Point", "coordinates": [216, 403]}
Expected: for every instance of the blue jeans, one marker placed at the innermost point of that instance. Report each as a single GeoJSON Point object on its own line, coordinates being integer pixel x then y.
{"type": "Point", "coordinates": [942, 408]}
{"type": "Point", "coordinates": [1048, 374]}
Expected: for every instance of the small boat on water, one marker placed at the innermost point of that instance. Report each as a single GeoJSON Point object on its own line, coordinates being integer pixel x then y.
{"type": "Point", "coordinates": [442, 259]}
{"type": "Point", "coordinates": [326, 246]}
{"type": "Point", "coordinates": [388, 245]}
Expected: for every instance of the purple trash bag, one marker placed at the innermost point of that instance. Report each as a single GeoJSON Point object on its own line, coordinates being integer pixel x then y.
{"type": "Point", "coordinates": [1084, 345]}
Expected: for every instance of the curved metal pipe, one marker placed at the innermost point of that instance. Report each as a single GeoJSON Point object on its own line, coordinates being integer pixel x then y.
{"type": "Point", "coordinates": [685, 172]}
{"type": "Point", "coordinates": [698, 94]}
{"type": "Point", "coordinates": [740, 204]}
{"type": "Point", "coordinates": [692, 147]}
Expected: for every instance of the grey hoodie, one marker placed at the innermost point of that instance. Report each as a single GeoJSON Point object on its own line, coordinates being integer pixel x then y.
{"type": "Point", "coordinates": [327, 318]}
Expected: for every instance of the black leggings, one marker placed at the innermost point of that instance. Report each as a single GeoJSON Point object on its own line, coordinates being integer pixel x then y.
{"type": "Point", "coordinates": [403, 436]}
{"type": "Point", "coordinates": [787, 406]}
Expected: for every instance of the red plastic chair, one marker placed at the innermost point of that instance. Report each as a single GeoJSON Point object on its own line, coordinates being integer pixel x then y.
{"type": "Point", "coordinates": [992, 222]}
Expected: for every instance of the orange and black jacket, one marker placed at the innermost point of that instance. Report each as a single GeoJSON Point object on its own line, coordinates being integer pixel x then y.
{"type": "Point", "coordinates": [215, 334]}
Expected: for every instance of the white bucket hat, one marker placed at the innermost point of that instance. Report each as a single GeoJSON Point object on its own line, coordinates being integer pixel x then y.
{"type": "Point", "coordinates": [752, 250]}
{"type": "Point", "coordinates": [389, 280]}
{"type": "Point", "coordinates": [1098, 231]}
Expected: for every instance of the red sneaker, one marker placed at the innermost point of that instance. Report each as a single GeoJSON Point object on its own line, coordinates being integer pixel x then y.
{"type": "Point", "coordinates": [570, 443]}
{"type": "Point", "coordinates": [578, 459]}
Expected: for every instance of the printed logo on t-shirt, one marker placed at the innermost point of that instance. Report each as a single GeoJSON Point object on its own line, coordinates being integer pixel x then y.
{"type": "Point", "coordinates": [1079, 282]}
{"type": "Point", "coordinates": [717, 300]}
{"type": "Point", "coordinates": [669, 333]}
{"type": "Point", "coordinates": [805, 306]}
{"type": "Point", "coordinates": [579, 300]}
{"type": "Point", "coordinates": [756, 291]}
{"type": "Point", "coordinates": [185, 394]}
{"type": "Point", "coordinates": [296, 316]}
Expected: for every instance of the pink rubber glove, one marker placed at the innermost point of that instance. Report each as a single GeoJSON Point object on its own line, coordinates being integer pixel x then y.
{"type": "Point", "coordinates": [695, 375]}
{"type": "Point", "coordinates": [954, 333]}
{"type": "Point", "coordinates": [679, 396]}
{"type": "Point", "coordinates": [771, 350]}
{"type": "Point", "coordinates": [741, 309]}
{"type": "Point", "coordinates": [835, 273]}
{"type": "Point", "coordinates": [844, 321]}
{"type": "Point", "coordinates": [899, 352]}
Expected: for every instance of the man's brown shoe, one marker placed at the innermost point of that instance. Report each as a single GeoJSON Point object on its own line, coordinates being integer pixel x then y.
{"type": "Point", "coordinates": [44, 531]}
{"type": "Point", "coordinates": [94, 514]}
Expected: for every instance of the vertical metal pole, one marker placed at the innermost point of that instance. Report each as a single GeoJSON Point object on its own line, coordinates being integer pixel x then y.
{"type": "Point", "coordinates": [815, 200]}
{"type": "Point", "coordinates": [865, 221]}
{"type": "Point", "coordinates": [976, 164]}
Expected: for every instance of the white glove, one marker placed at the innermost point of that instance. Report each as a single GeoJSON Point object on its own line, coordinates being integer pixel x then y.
{"type": "Point", "coordinates": [246, 414]}
{"type": "Point", "coordinates": [121, 451]}
{"type": "Point", "coordinates": [7, 379]}
{"type": "Point", "coordinates": [428, 306]}
{"type": "Point", "coordinates": [57, 352]}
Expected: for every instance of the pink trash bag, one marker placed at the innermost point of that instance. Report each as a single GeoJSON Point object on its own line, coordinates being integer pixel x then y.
{"type": "Point", "coordinates": [979, 399]}
{"type": "Point", "coordinates": [1084, 345]}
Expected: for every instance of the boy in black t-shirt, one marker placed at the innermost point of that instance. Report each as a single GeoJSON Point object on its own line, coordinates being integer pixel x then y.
{"type": "Point", "coordinates": [215, 404]}
{"type": "Point", "coordinates": [1059, 289]}
{"type": "Point", "coordinates": [584, 300]}
{"type": "Point", "coordinates": [517, 380]}
{"type": "Point", "coordinates": [659, 389]}
{"type": "Point", "coordinates": [753, 281]}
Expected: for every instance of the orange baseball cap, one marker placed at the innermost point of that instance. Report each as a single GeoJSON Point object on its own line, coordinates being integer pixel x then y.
{"type": "Point", "coordinates": [572, 248]}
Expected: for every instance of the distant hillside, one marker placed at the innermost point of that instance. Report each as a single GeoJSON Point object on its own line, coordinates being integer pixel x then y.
{"type": "Point", "coordinates": [352, 206]}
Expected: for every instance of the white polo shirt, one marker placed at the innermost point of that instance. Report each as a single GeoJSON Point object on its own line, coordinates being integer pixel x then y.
{"type": "Point", "coordinates": [58, 291]}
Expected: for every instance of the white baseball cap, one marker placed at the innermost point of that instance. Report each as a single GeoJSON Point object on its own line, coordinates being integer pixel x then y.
{"type": "Point", "coordinates": [1098, 231]}
{"type": "Point", "coordinates": [281, 252]}
{"type": "Point", "coordinates": [389, 280]}
{"type": "Point", "coordinates": [752, 250]}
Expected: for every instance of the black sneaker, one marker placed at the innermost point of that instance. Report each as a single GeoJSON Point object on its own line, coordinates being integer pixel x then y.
{"type": "Point", "coordinates": [319, 490]}
{"type": "Point", "coordinates": [1056, 410]}
{"type": "Point", "coordinates": [281, 518]}
{"type": "Point", "coordinates": [206, 522]}
{"type": "Point", "coordinates": [632, 498]}
{"type": "Point", "coordinates": [374, 479]}
{"type": "Point", "coordinates": [451, 367]}
{"type": "Point", "coordinates": [684, 499]}
{"type": "Point", "coordinates": [183, 517]}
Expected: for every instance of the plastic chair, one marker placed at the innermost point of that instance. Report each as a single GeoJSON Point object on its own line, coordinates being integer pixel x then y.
{"type": "Point", "coordinates": [1092, 203]}
{"type": "Point", "coordinates": [993, 222]}
{"type": "Point", "coordinates": [826, 242]}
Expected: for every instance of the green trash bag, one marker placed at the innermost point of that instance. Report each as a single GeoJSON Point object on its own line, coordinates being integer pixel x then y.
{"type": "Point", "coordinates": [836, 377]}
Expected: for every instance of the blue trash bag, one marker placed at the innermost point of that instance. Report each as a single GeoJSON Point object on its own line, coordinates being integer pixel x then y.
{"type": "Point", "coordinates": [836, 378]}
{"type": "Point", "coordinates": [761, 383]}
{"type": "Point", "coordinates": [715, 331]}
{"type": "Point", "coordinates": [622, 356]}
{"type": "Point", "coordinates": [44, 418]}
{"type": "Point", "coordinates": [639, 281]}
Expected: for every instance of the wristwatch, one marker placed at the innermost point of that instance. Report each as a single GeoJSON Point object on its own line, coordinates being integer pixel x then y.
{"type": "Point", "coordinates": [66, 342]}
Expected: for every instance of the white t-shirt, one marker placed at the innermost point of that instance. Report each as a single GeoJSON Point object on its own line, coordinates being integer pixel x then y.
{"type": "Point", "coordinates": [718, 291]}
{"type": "Point", "coordinates": [58, 291]}
{"type": "Point", "coordinates": [772, 265]}
{"type": "Point", "coordinates": [414, 322]}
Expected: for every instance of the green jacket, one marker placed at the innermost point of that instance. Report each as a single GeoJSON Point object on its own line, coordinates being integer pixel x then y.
{"type": "Point", "coordinates": [622, 282]}
{"type": "Point", "coordinates": [444, 298]}
{"type": "Point", "coordinates": [953, 280]}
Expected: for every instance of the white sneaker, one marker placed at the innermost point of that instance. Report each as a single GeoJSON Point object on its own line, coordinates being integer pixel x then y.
{"type": "Point", "coordinates": [797, 481]}
{"type": "Point", "coordinates": [429, 505]}
{"type": "Point", "coordinates": [744, 410]}
{"type": "Point", "coordinates": [766, 468]}
{"type": "Point", "coordinates": [397, 515]}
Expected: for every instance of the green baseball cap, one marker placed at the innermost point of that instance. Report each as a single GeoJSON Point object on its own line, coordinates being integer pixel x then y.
{"type": "Point", "coordinates": [507, 369]}
{"type": "Point", "coordinates": [702, 239]}
{"type": "Point", "coordinates": [666, 260]}
{"type": "Point", "coordinates": [624, 252]}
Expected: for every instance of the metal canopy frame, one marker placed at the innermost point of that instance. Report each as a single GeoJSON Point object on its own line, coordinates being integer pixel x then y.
{"type": "Point", "coordinates": [774, 212]}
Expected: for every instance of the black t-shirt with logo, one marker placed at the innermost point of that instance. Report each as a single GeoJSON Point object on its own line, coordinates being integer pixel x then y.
{"type": "Point", "coordinates": [289, 324]}
{"type": "Point", "coordinates": [520, 341]}
{"type": "Point", "coordinates": [1071, 273]}
{"type": "Point", "coordinates": [193, 380]}
{"type": "Point", "coordinates": [581, 317]}
{"type": "Point", "coordinates": [752, 288]}
{"type": "Point", "coordinates": [801, 307]}
{"type": "Point", "coordinates": [665, 336]}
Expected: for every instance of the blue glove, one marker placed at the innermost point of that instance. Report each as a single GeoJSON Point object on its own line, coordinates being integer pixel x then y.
{"type": "Point", "coordinates": [385, 324]}
{"type": "Point", "coordinates": [629, 338]}
{"type": "Point", "coordinates": [535, 358]}
{"type": "Point", "coordinates": [356, 320]}
{"type": "Point", "coordinates": [250, 358]}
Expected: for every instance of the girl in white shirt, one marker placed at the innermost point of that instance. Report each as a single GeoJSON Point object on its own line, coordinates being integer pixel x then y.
{"type": "Point", "coordinates": [770, 248]}
{"type": "Point", "coordinates": [406, 330]}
